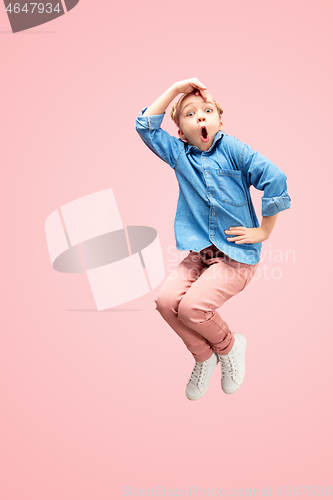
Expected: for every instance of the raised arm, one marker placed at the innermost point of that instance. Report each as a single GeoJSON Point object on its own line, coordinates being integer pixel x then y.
{"type": "Point", "coordinates": [160, 105]}
{"type": "Point", "coordinates": [148, 123]}
{"type": "Point", "coordinates": [185, 86]}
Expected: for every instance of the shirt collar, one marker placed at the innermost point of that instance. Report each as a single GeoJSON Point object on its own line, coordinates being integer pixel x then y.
{"type": "Point", "coordinates": [218, 136]}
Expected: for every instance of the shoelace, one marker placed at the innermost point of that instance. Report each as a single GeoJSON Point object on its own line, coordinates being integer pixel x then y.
{"type": "Point", "coordinates": [228, 364]}
{"type": "Point", "coordinates": [198, 372]}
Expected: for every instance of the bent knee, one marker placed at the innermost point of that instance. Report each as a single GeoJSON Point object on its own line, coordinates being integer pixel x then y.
{"type": "Point", "coordinates": [166, 304]}
{"type": "Point", "coordinates": [190, 313]}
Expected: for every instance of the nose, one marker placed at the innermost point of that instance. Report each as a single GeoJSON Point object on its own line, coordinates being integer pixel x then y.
{"type": "Point", "coordinates": [201, 118]}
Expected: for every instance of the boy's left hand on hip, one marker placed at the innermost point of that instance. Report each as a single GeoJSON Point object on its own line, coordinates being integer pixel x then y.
{"type": "Point", "coordinates": [247, 234]}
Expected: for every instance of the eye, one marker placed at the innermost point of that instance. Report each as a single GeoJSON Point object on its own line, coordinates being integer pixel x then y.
{"type": "Point", "coordinates": [189, 113]}
{"type": "Point", "coordinates": [209, 109]}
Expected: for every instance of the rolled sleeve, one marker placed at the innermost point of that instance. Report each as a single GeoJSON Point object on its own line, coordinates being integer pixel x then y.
{"type": "Point", "coordinates": [165, 146]}
{"type": "Point", "coordinates": [272, 206]}
{"type": "Point", "coordinates": [150, 122]}
{"type": "Point", "coordinates": [266, 176]}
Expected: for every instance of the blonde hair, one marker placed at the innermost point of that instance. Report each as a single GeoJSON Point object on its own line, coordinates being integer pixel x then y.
{"type": "Point", "coordinates": [174, 112]}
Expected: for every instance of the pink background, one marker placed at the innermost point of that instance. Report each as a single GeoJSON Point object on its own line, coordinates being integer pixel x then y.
{"type": "Point", "coordinates": [92, 401]}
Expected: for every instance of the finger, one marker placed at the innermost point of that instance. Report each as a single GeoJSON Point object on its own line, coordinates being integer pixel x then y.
{"type": "Point", "coordinates": [235, 231]}
{"type": "Point", "coordinates": [198, 86]}
{"type": "Point", "coordinates": [235, 238]}
{"type": "Point", "coordinates": [202, 93]}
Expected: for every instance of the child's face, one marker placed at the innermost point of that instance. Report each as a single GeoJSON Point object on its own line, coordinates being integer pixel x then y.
{"type": "Point", "coordinates": [199, 121]}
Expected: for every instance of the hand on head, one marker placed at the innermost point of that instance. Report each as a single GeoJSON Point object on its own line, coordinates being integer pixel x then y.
{"type": "Point", "coordinates": [188, 86]}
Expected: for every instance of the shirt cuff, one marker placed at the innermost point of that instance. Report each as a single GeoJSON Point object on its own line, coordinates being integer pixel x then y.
{"type": "Point", "coordinates": [151, 122]}
{"type": "Point", "coordinates": [272, 206]}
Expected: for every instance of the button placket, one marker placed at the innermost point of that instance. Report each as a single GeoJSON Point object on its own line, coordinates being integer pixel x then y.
{"type": "Point", "coordinates": [210, 195]}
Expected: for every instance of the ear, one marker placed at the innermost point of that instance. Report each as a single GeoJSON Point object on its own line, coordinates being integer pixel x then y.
{"type": "Point", "coordinates": [221, 126]}
{"type": "Point", "coordinates": [182, 136]}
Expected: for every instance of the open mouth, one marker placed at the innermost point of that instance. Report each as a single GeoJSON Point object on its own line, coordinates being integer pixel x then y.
{"type": "Point", "coordinates": [204, 134]}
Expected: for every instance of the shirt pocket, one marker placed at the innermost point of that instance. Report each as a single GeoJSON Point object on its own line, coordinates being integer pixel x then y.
{"type": "Point", "coordinates": [231, 187]}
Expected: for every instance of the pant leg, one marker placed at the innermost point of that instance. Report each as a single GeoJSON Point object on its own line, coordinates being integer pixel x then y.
{"type": "Point", "coordinates": [170, 296]}
{"type": "Point", "coordinates": [221, 280]}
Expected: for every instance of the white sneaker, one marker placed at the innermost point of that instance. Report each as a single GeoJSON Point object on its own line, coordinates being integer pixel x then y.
{"type": "Point", "coordinates": [233, 365]}
{"type": "Point", "coordinates": [199, 380]}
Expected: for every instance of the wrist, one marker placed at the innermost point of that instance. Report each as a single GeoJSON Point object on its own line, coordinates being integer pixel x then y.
{"type": "Point", "coordinates": [174, 90]}
{"type": "Point", "coordinates": [265, 233]}
{"type": "Point", "coordinates": [268, 223]}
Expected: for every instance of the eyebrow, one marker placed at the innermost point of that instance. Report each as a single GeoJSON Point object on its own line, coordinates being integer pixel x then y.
{"type": "Point", "coordinates": [190, 103]}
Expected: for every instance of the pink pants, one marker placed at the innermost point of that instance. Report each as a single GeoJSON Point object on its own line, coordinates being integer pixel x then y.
{"type": "Point", "coordinates": [188, 299]}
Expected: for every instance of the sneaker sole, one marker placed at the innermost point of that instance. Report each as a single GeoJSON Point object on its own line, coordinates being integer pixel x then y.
{"type": "Point", "coordinates": [199, 395]}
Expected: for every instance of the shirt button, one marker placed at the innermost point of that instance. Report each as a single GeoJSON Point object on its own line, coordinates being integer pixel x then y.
{"type": "Point", "coordinates": [213, 214]}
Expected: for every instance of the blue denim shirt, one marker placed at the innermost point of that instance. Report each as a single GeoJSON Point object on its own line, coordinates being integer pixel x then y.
{"type": "Point", "coordinates": [214, 188]}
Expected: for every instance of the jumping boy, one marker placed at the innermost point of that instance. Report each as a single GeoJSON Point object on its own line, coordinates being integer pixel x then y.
{"type": "Point", "coordinates": [216, 222]}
